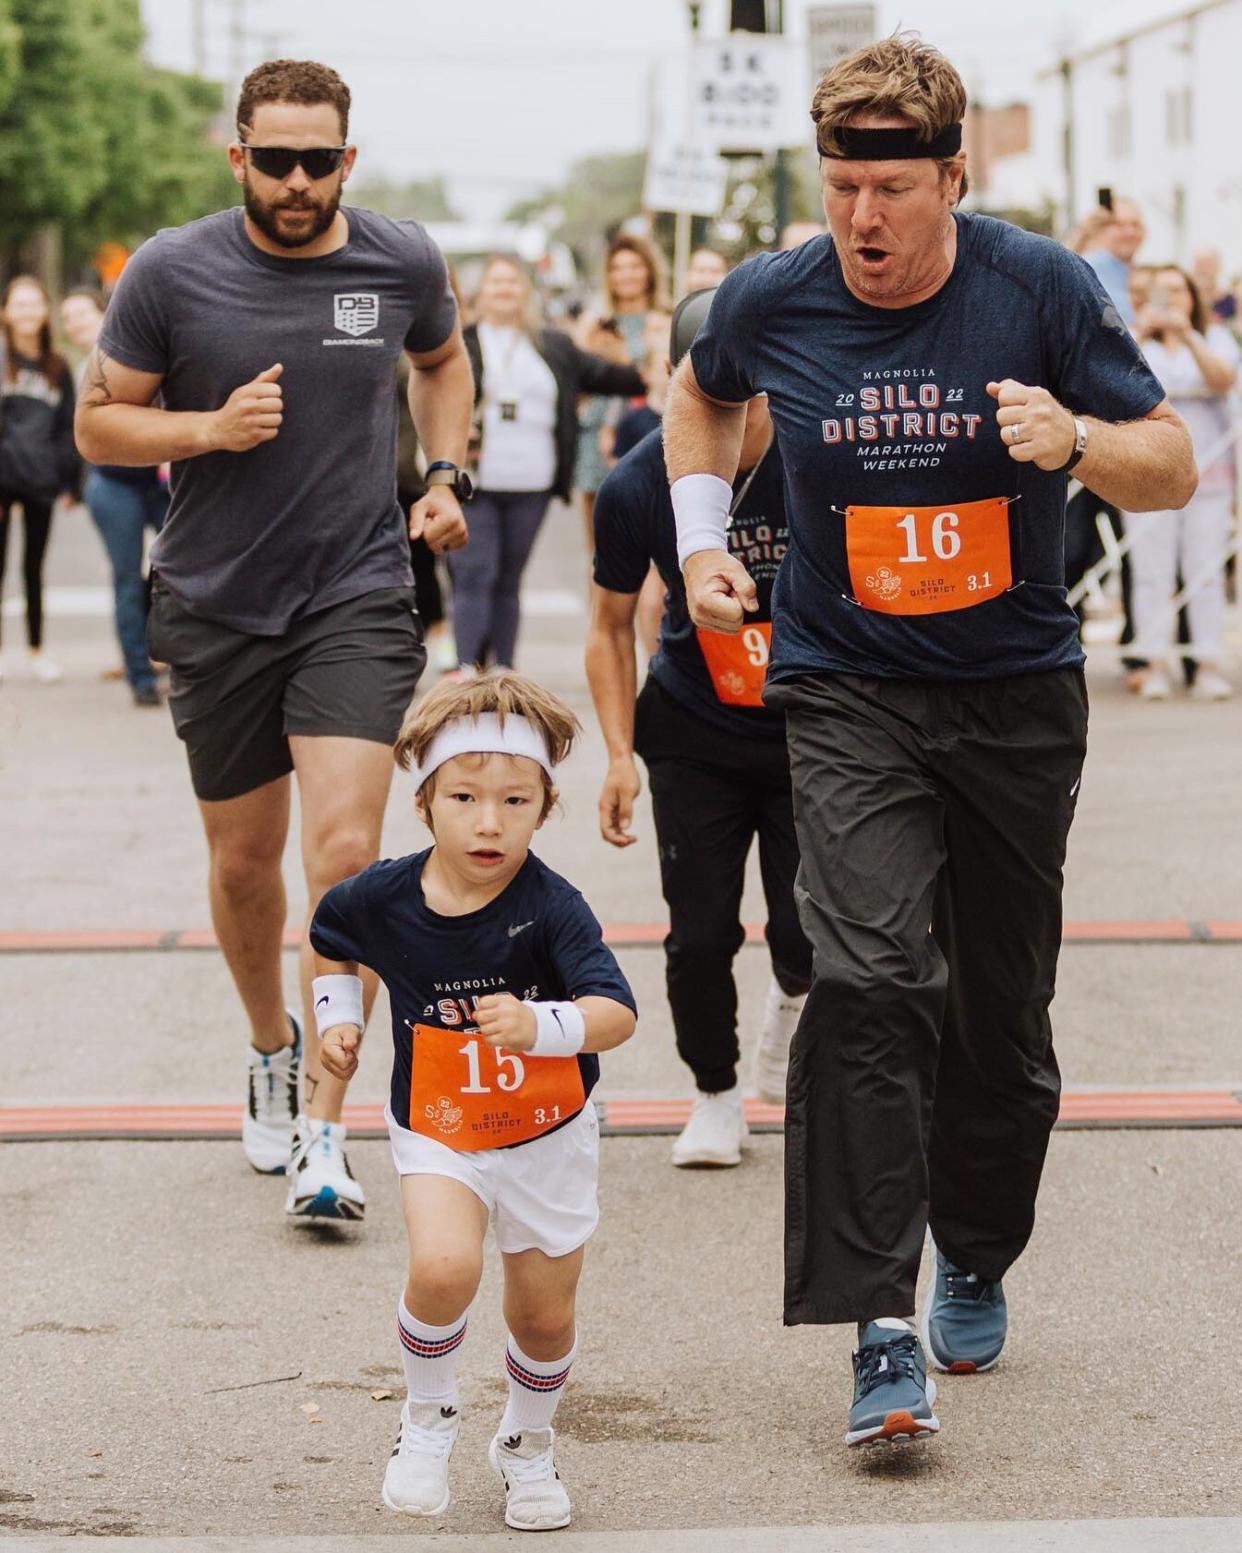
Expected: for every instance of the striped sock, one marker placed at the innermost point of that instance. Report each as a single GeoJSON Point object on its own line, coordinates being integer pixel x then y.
{"type": "Point", "coordinates": [429, 1355]}
{"type": "Point", "coordinates": [535, 1388]}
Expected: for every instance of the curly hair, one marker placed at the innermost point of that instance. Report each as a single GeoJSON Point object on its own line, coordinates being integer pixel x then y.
{"type": "Point", "coordinates": [293, 80]}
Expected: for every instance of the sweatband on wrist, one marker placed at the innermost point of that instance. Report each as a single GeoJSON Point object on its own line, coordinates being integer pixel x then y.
{"type": "Point", "coordinates": [701, 506]}
{"type": "Point", "coordinates": [560, 1030]}
{"type": "Point", "coordinates": [338, 1001]}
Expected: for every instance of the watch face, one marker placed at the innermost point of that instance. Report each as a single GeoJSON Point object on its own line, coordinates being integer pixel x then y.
{"type": "Point", "coordinates": [463, 485]}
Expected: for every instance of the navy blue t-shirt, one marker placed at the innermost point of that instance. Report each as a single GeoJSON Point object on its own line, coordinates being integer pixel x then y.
{"type": "Point", "coordinates": [538, 939]}
{"type": "Point", "coordinates": [634, 527]}
{"type": "Point", "coordinates": [888, 407]}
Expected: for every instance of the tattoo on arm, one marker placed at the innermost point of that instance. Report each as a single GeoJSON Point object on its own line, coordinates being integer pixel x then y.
{"type": "Point", "coordinates": [95, 389]}
{"type": "Point", "coordinates": [309, 1086]}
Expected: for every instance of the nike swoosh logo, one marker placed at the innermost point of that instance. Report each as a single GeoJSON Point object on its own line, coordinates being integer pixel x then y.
{"type": "Point", "coordinates": [1075, 787]}
{"type": "Point", "coordinates": [322, 1001]}
{"type": "Point", "coordinates": [520, 928]}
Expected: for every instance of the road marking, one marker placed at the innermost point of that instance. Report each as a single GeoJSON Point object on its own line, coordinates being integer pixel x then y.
{"type": "Point", "coordinates": [619, 935]}
{"type": "Point", "coordinates": [620, 1116]}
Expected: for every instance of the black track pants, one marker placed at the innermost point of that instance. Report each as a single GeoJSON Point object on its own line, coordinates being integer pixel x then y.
{"type": "Point", "coordinates": [712, 795]}
{"type": "Point", "coordinates": [922, 1084]}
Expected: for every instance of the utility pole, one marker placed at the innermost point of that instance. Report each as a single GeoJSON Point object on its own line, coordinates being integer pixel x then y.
{"type": "Point", "coordinates": [767, 16]}
{"type": "Point", "coordinates": [198, 36]}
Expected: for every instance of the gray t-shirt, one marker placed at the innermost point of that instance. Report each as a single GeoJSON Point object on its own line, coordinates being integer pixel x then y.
{"type": "Point", "coordinates": [255, 540]}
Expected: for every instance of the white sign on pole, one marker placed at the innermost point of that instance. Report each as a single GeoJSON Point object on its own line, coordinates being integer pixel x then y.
{"type": "Point", "coordinates": [684, 178]}
{"type": "Point", "coordinates": [750, 93]}
{"type": "Point", "coordinates": [833, 31]}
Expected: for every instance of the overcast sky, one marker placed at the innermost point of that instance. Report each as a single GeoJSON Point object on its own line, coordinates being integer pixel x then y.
{"type": "Point", "coordinates": [501, 95]}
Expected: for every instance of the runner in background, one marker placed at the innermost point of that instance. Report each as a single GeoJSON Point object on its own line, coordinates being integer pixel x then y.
{"type": "Point", "coordinates": [716, 762]}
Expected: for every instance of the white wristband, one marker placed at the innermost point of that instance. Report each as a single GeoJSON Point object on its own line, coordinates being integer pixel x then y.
{"type": "Point", "coordinates": [338, 1001]}
{"type": "Point", "coordinates": [560, 1030]}
{"type": "Point", "coordinates": [701, 506]}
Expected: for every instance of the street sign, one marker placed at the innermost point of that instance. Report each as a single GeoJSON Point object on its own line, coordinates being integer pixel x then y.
{"type": "Point", "coordinates": [684, 178]}
{"type": "Point", "coordinates": [833, 31]}
{"type": "Point", "coordinates": [749, 93]}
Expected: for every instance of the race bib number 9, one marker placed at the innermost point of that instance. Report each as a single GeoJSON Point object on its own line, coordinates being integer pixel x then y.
{"type": "Point", "coordinates": [927, 560]}
{"type": "Point", "coordinates": [738, 664]}
{"type": "Point", "coordinates": [471, 1096]}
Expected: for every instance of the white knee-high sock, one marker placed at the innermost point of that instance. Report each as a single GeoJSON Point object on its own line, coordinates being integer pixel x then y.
{"type": "Point", "coordinates": [429, 1356]}
{"type": "Point", "coordinates": [535, 1388]}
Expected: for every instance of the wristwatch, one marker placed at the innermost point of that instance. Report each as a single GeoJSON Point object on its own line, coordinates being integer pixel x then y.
{"type": "Point", "coordinates": [1080, 447]}
{"type": "Point", "coordinates": [442, 472]}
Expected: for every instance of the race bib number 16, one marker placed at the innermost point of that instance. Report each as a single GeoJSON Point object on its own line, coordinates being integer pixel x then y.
{"type": "Point", "coordinates": [472, 1096]}
{"type": "Point", "coordinates": [927, 560]}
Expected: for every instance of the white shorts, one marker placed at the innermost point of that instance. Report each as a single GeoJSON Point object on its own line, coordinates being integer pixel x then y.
{"type": "Point", "coordinates": [541, 1195]}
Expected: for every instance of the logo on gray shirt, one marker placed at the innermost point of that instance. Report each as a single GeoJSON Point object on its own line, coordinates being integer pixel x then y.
{"type": "Point", "coordinates": [355, 312]}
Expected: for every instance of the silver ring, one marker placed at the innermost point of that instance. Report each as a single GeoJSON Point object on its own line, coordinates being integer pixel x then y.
{"type": "Point", "coordinates": [1015, 434]}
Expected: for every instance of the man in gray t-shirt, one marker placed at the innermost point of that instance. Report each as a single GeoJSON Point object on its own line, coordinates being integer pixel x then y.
{"type": "Point", "coordinates": [255, 350]}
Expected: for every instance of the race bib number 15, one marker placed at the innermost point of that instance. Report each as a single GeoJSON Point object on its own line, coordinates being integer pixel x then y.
{"type": "Point", "coordinates": [472, 1096]}
{"type": "Point", "coordinates": [927, 560]}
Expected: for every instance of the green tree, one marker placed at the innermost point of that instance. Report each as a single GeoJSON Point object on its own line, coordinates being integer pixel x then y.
{"type": "Point", "coordinates": [10, 51]}
{"type": "Point", "coordinates": [599, 193]}
{"type": "Point", "coordinates": [157, 127]}
{"type": "Point", "coordinates": [95, 140]}
{"type": "Point", "coordinates": [52, 156]}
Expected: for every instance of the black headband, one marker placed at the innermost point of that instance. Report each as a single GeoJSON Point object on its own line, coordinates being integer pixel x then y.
{"type": "Point", "coordinates": [894, 145]}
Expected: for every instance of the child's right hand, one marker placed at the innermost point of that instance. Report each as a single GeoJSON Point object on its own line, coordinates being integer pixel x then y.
{"type": "Point", "coordinates": [338, 1050]}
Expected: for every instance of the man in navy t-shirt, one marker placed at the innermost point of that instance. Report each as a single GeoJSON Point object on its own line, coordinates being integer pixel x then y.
{"type": "Point", "coordinates": [716, 760]}
{"type": "Point", "coordinates": [932, 378]}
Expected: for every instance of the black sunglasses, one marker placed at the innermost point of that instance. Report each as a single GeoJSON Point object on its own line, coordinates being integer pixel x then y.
{"type": "Point", "coordinates": [279, 161]}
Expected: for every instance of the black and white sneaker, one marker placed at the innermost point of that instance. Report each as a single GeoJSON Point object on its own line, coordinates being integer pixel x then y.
{"type": "Point", "coordinates": [416, 1477]}
{"type": "Point", "coordinates": [321, 1184]}
{"type": "Point", "coordinates": [273, 1100]}
{"type": "Point", "coordinates": [535, 1497]}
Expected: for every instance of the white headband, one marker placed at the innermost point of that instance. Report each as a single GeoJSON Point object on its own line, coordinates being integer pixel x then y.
{"type": "Point", "coordinates": [483, 735]}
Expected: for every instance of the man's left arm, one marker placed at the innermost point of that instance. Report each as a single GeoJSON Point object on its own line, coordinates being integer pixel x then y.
{"type": "Point", "coordinates": [1145, 465]}
{"type": "Point", "coordinates": [441, 399]}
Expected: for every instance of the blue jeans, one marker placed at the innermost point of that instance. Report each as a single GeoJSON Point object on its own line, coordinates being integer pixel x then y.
{"type": "Point", "coordinates": [488, 573]}
{"type": "Point", "coordinates": [122, 512]}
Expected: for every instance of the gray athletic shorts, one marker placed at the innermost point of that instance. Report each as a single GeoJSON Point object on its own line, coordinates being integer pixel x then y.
{"type": "Point", "coordinates": [347, 671]}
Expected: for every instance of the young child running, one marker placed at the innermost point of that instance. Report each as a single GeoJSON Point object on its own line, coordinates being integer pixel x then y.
{"type": "Point", "coordinates": [502, 994]}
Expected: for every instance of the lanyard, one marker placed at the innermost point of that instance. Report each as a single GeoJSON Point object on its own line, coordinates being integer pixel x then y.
{"type": "Point", "coordinates": [736, 504]}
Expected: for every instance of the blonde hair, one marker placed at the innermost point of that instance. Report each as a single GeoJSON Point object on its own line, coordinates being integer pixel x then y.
{"type": "Point", "coordinates": [899, 77]}
{"type": "Point", "coordinates": [531, 310]}
{"type": "Point", "coordinates": [503, 693]}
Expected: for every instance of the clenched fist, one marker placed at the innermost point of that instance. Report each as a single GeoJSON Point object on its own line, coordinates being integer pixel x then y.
{"type": "Point", "coordinates": [1033, 426]}
{"type": "Point", "coordinates": [250, 415]}
{"type": "Point", "coordinates": [338, 1050]}
{"type": "Point", "coordinates": [503, 1021]}
{"type": "Point", "coordinates": [719, 591]}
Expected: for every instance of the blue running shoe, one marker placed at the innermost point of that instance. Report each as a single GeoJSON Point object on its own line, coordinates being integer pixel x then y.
{"type": "Point", "coordinates": [893, 1398]}
{"type": "Point", "coordinates": [964, 1319]}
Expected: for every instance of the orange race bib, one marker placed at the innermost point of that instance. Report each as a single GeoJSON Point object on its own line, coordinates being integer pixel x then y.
{"type": "Point", "coordinates": [469, 1095]}
{"type": "Point", "coordinates": [927, 560]}
{"type": "Point", "coordinates": [738, 664]}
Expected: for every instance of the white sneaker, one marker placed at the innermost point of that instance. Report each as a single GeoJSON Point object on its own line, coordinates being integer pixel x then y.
{"type": "Point", "coordinates": [535, 1497]}
{"type": "Point", "coordinates": [416, 1477]}
{"type": "Point", "coordinates": [715, 1132]}
{"type": "Point", "coordinates": [1210, 685]}
{"type": "Point", "coordinates": [1156, 685]}
{"type": "Point", "coordinates": [44, 669]}
{"type": "Point", "coordinates": [273, 1104]}
{"type": "Point", "coordinates": [780, 1019]}
{"type": "Point", "coordinates": [321, 1184]}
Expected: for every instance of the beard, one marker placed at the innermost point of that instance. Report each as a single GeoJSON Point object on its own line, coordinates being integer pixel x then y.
{"type": "Point", "coordinates": [271, 216]}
